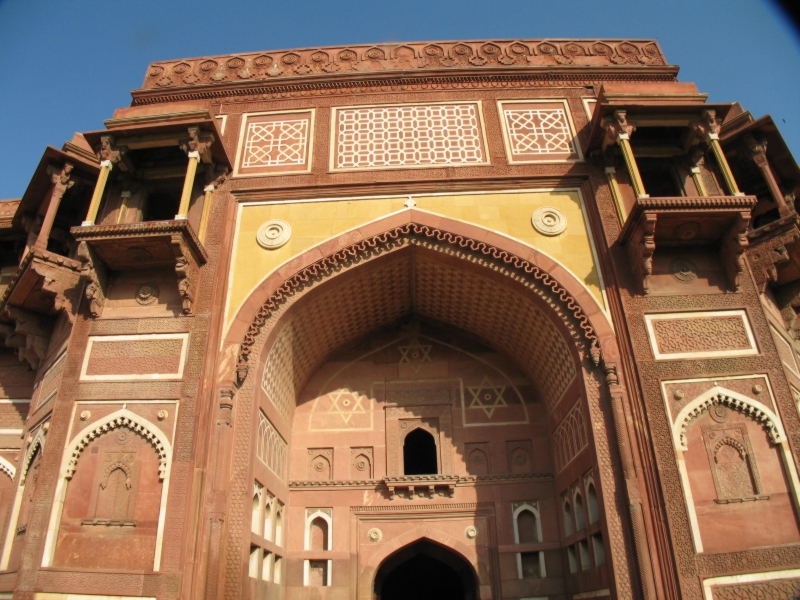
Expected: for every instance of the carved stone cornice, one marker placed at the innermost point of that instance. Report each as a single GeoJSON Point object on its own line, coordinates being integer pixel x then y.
{"type": "Point", "coordinates": [682, 220]}
{"type": "Point", "coordinates": [133, 246]}
{"type": "Point", "coordinates": [406, 57]}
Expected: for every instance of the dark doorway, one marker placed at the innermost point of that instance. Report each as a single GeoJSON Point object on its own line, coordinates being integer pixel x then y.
{"type": "Point", "coordinates": [419, 454]}
{"type": "Point", "coordinates": [425, 571]}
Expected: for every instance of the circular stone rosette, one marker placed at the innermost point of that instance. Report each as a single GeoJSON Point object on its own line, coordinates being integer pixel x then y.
{"type": "Point", "coordinates": [471, 532]}
{"type": "Point", "coordinates": [549, 221]}
{"type": "Point", "coordinates": [374, 535]}
{"type": "Point", "coordinates": [273, 234]}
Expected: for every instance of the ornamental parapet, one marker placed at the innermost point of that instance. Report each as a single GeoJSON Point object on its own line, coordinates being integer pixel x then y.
{"type": "Point", "coordinates": [687, 221]}
{"type": "Point", "coordinates": [413, 57]}
{"type": "Point", "coordinates": [135, 247]}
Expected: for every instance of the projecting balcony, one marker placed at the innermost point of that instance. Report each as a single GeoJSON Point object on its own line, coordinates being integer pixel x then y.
{"type": "Point", "coordinates": [45, 283]}
{"type": "Point", "coordinates": [687, 221]}
{"type": "Point", "coordinates": [136, 247]}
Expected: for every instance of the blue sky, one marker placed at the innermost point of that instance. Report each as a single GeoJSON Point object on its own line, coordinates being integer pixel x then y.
{"type": "Point", "coordinates": [68, 64]}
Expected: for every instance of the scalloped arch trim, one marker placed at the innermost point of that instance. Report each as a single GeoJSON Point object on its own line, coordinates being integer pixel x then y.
{"type": "Point", "coordinates": [38, 442]}
{"type": "Point", "coordinates": [122, 418]}
{"type": "Point", "coordinates": [720, 395]}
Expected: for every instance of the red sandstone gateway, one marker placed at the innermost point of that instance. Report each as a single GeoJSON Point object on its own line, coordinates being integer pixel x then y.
{"type": "Point", "coordinates": [452, 320]}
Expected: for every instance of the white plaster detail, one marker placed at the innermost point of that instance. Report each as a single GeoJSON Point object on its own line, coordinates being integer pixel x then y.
{"type": "Point", "coordinates": [273, 234]}
{"type": "Point", "coordinates": [7, 468]}
{"type": "Point", "coordinates": [718, 394]}
{"type": "Point", "coordinates": [310, 518]}
{"type": "Point", "coordinates": [549, 221]}
{"type": "Point", "coordinates": [533, 509]}
{"type": "Point", "coordinates": [374, 535]}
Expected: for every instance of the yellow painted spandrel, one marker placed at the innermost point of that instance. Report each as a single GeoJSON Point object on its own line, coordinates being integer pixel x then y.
{"type": "Point", "coordinates": [315, 222]}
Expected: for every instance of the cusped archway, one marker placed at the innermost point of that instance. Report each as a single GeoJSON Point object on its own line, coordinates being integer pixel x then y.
{"type": "Point", "coordinates": [415, 264]}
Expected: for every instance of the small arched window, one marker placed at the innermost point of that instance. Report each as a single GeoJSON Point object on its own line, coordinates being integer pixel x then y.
{"type": "Point", "coordinates": [419, 454]}
{"type": "Point", "coordinates": [527, 528]}
{"type": "Point", "coordinates": [279, 524]}
{"type": "Point", "coordinates": [268, 516]}
{"type": "Point", "coordinates": [568, 527]}
{"type": "Point", "coordinates": [591, 498]}
{"type": "Point", "coordinates": [580, 519]}
{"type": "Point", "coordinates": [255, 520]}
{"type": "Point", "coordinates": [318, 535]}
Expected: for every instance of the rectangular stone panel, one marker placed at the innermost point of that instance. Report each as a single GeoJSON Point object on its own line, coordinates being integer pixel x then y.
{"type": "Point", "coordinates": [538, 131]}
{"type": "Point", "coordinates": [275, 143]}
{"type": "Point", "coordinates": [408, 136]}
{"type": "Point", "coordinates": [700, 334]}
{"type": "Point", "coordinates": [135, 357]}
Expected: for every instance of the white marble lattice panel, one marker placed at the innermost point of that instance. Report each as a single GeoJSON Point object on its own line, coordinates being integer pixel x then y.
{"type": "Point", "coordinates": [408, 136]}
{"type": "Point", "coordinates": [538, 131]}
{"type": "Point", "coordinates": [275, 143]}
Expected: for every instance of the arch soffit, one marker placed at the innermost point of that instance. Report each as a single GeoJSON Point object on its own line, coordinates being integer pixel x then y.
{"type": "Point", "coordinates": [720, 395]}
{"type": "Point", "coordinates": [120, 418]}
{"type": "Point", "coordinates": [548, 275]}
{"type": "Point", "coordinates": [7, 468]}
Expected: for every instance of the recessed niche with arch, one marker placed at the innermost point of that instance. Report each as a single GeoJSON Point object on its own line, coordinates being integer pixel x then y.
{"type": "Point", "coordinates": [591, 501]}
{"type": "Point", "coordinates": [110, 510]}
{"type": "Point", "coordinates": [580, 517]}
{"type": "Point", "coordinates": [319, 529]}
{"type": "Point", "coordinates": [527, 524]}
{"type": "Point", "coordinates": [735, 471]}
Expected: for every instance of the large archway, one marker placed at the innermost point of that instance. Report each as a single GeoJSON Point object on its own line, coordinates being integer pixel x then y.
{"type": "Point", "coordinates": [425, 570]}
{"type": "Point", "coordinates": [417, 265]}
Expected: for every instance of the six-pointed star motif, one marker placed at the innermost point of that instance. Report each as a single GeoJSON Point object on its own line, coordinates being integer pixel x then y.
{"type": "Point", "coordinates": [415, 353]}
{"type": "Point", "coordinates": [487, 397]}
{"type": "Point", "coordinates": [345, 403]}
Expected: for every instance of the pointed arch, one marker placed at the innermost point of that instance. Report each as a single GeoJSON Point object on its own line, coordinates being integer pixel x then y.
{"type": "Point", "coordinates": [69, 462]}
{"type": "Point", "coordinates": [318, 514]}
{"type": "Point", "coordinates": [534, 510]}
{"type": "Point", "coordinates": [720, 395]}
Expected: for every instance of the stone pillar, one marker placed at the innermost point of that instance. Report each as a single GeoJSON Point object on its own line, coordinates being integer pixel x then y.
{"type": "Point", "coordinates": [109, 156]}
{"type": "Point", "coordinates": [758, 152]}
{"type": "Point", "coordinates": [696, 158]}
{"type": "Point", "coordinates": [61, 183]}
{"type": "Point", "coordinates": [618, 131]}
{"type": "Point", "coordinates": [197, 149]}
{"type": "Point", "coordinates": [212, 184]}
{"type": "Point", "coordinates": [710, 129]}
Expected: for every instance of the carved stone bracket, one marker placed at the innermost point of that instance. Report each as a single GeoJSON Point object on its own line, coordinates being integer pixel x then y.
{"type": "Point", "coordinates": [421, 486]}
{"type": "Point", "coordinates": [197, 142]}
{"type": "Point", "coordinates": [186, 271]}
{"type": "Point", "coordinates": [28, 333]}
{"type": "Point", "coordinates": [640, 251]}
{"type": "Point", "coordinates": [93, 273]}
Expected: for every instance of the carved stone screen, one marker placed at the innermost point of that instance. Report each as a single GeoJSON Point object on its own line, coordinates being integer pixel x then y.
{"type": "Point", "coordinates": [408, 135]}
{"type": "Point", "coordinates": [538, 131]}
{"type": "Point", "coordinates": [273, 143]}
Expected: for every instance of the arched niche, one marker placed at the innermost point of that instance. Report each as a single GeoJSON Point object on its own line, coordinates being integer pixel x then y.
{"type": "Point", "coordinates": [126, 442]}
{"type": "Point", "coordinates": [418, 264]}
{"type": "Point", "coordinates": [738, 476]}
